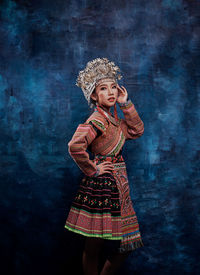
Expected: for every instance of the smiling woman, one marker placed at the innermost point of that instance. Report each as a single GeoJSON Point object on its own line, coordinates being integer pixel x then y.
{"type": "Point", "coordinates": [102, 209]}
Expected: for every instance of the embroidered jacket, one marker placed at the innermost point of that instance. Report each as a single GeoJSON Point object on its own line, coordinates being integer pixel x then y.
{"type": "Point", "coordinates": [111, 140]}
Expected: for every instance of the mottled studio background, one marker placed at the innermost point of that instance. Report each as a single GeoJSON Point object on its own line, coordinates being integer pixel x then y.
{"type": "Point", "coordinates": [43, 45]}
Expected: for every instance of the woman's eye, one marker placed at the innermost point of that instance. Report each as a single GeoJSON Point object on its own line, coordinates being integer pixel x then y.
{"type": "Point", "coordinates": [103, 88]}
{"type": "Point", "coordinates": [114, 87]}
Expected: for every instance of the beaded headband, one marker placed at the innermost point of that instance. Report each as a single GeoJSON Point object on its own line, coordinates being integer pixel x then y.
{"type": "Point", "coordinates": [95, 70]}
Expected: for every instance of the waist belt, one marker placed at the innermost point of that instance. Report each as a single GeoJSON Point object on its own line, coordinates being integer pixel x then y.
{"type": "Point", "coordinates": [100, 158]}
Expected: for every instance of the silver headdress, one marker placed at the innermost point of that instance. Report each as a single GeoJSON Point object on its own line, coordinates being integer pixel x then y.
{"type": "Point", "coordinates": [95, 70]}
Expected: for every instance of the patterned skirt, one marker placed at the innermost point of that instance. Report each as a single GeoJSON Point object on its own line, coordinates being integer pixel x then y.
{"type": "Point", "coordinates": [103, 208]}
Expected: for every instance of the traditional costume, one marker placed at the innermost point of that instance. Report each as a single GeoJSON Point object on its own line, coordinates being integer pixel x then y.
{"type": "Point", "coordinates": [102, 206]}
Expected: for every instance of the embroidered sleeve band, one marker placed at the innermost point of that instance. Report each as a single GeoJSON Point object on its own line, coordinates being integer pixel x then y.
{"type": "Point", "coordinates": [125, 104]}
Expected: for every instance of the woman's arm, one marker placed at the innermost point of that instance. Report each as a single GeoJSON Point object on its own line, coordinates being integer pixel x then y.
{"type": "Point", "coordinates": [132, 126]}
{"type": "Point", "coordinates": [77, 147]}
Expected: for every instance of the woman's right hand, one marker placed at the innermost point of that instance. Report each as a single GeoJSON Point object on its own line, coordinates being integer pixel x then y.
{"type": "Point", "coordinates": [105, 167]}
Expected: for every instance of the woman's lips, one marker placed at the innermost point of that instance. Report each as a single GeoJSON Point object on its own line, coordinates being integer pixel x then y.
{"type": "Point", "coordinates": [111, 99]}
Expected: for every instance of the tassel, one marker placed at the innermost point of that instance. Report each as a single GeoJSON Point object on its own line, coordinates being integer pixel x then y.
{"type": "Point", "coordinates": [115, 113]}
{"type": "Point", "coordinates": [124, 247]}
{"type": "Point", "coordinates": [130, 242]}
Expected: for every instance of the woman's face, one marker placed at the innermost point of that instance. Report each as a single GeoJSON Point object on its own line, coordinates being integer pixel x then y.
{"type": "Point", "coordinates": [106, 93]}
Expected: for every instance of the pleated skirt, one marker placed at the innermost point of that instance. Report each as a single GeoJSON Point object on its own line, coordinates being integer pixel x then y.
{"type": "Point", "coordinates": [103, 208]}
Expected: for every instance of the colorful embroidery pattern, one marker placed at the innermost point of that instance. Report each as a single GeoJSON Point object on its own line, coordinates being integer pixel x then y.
{"type": "Point", "coordinates": [130, 227]}
{"type": "Point", "coordinates": [103, 207]}
{"type": "Point", "coordinates": [98, 124]}
{"type": "Point", "coordinates": [96, 208]}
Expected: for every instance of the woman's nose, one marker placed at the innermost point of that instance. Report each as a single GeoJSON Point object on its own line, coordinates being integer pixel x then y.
{"type": "Point", "coordinates": [110, 91]}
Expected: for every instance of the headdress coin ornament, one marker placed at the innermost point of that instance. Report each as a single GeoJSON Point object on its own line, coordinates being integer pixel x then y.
{"type": "Point", "coordinates": [95, 70]}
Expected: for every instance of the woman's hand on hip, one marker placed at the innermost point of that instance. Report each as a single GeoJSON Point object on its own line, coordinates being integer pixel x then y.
{"type": "Point", "coordinates": [105, 167]}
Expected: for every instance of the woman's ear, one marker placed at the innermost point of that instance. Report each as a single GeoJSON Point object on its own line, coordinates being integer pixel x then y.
{"type": "Point", "coordinates": [94, 96]}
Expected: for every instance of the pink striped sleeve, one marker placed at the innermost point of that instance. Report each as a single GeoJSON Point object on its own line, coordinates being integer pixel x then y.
{"type": "Point", "coordinates": [77, 147]}
{"type": "Point", "coordinates": [132, 126]}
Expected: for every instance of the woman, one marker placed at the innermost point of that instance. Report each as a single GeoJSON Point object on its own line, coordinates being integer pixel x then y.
{"type": "Point", "coordinates": [102, 209]}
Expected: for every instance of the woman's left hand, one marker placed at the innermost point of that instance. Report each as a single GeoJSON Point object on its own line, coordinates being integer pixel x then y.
{"type": "Point", "coordinates": [122, 95]}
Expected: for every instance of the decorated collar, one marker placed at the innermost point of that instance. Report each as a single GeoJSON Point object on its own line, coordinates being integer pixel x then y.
{"type": "Point", "coordinates": [108, 116]}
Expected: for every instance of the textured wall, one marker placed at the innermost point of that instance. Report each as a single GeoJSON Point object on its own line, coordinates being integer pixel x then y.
{"type": "Point", "coordinates": [43, 45]}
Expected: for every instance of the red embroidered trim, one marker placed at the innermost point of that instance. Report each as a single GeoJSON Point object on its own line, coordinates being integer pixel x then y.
{"type": "Point", "coordinates": [115, 112]}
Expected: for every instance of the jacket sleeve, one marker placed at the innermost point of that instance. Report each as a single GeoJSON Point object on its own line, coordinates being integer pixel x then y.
{"type": "Point", "coordinates": [77, 147]}
{"type": "Point", "coordinates": [132, 126]}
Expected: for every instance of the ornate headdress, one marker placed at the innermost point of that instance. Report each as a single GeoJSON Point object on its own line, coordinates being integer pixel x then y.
{"type": "Point", "coordinates": [95, 70]}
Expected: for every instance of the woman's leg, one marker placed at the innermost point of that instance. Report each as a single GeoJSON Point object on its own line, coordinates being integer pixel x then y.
{"type": "Point", "coordinates": [112, 265]}
{"type": "Point", "coordinates": [91, 255]}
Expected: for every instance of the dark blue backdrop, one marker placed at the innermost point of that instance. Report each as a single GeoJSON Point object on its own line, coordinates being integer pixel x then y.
{"type": "Point", "coordinates": [43, 45]}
